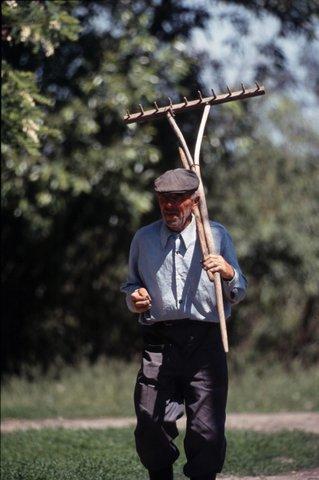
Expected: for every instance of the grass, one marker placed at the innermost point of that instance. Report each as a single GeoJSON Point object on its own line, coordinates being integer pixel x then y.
{"type": "Point", "coordinates": [106, 388]}
{"type": "Point", "coordinates": [103, 389]}
{"type": "Point", "coordinates": [271, 388]}
{"type": "Point", "coordinates": [110, 454]}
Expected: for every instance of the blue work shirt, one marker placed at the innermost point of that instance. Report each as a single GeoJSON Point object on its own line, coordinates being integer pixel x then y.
{"type": "Point", "coordinates": [168, 265]}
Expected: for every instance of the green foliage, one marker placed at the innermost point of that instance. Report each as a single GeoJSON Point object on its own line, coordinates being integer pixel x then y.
{"type": "Point", "coordinates": [22, 118]}
{"type": "Point", "coordinates": [77, 181]}
{"type": "Point", "coordinates": [271, 209]}
{"type": "Point", "coordinates": [83, 142]}
{"type": "Point", "coordinates": [109, 454]}
{"type": "Point", "coordinates": [30, 31]}
{"type": "Point", "coordinates": [89, 187]}
{"type": "Point", "coordinates": [36, 28]}
{"type": "Point", "coordinates": [39, 24]}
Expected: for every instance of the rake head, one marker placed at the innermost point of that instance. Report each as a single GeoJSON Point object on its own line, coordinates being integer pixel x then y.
{"type": "Point", "coordinates": [159, 112]}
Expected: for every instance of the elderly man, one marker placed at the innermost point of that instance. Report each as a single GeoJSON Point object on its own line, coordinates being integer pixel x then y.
{"type": "Point", "coordinates": [183, 362]}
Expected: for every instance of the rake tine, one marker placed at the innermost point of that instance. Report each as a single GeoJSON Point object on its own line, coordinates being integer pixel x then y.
{"type": "Point", "coordinates": [141, 108]}
{"type": "Point", "coordinates": [171, 111]}
{"type": "Point", "coordinates": [156, 111]}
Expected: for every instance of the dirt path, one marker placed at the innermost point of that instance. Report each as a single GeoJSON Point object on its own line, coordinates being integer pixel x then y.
{"type": "Point", "coordinates": [262, 422]}
{"type": "Point", "coordinates": [312, 474]}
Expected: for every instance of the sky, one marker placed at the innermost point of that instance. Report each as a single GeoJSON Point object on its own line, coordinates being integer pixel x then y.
{"type": "Point", "coordinates": [222, 43]}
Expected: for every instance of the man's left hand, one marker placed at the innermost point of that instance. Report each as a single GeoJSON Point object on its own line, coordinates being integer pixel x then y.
{"type": "Point", "coordinates": [217, 263]}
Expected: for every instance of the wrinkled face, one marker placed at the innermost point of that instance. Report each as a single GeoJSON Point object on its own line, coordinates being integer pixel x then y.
{"type": "Point", "coordinates": [176, 209]}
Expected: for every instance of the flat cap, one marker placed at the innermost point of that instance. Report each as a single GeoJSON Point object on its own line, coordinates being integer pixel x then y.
{"type": "Point", "coordinates": [179, 180]}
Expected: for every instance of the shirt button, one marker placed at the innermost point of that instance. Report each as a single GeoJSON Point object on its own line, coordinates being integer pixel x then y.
{"type": "Point", "coordinates": [180, 301]}
{"type": "Point", "coordinates": [177, 253]}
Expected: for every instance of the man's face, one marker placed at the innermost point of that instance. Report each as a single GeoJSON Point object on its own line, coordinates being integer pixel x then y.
{"type": "Point", "coordinates": [176, 209]}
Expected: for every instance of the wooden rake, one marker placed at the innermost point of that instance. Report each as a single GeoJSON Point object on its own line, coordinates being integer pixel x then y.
{"type": "Point", "coordinates": [203, 227]}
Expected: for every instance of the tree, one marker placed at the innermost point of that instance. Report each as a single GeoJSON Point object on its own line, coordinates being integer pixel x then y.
{"type": "Point", "coordinates": [77, 181]}
{"type": "Point", "coordinates": [266, 153]}
{"type": "Point", "coordinates": [264, 189]}
{"type": "Point", "coordinates": [89, 186]}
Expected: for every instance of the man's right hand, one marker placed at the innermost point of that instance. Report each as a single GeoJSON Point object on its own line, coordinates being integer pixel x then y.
{"type": "Point", "coordinates": [141, 300]}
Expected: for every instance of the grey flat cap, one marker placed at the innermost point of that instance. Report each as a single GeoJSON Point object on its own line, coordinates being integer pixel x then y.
{"type": "Point", "coordinates": [179, 180]}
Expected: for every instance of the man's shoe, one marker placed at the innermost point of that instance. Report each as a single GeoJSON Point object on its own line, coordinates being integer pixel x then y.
{"type": "Point", "coordinates": [163, 474]}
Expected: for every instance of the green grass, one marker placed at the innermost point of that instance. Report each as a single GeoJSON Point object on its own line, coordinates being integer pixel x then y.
{"type": "Point", "coordinates": [106, 388]}
{"type": "Point", "coordinates": [271, 388]}
{"type": "Point", "coordinates": [103, 389]}
{"type": "Point", "coordinates": [110, 454]}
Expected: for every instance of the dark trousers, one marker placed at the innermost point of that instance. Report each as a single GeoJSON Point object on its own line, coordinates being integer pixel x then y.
{"type": "Point", "coordinates": [183, 366]}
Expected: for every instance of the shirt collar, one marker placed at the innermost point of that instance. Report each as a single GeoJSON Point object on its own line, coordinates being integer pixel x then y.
{"type": "Point", "coordinates": [188, 235]}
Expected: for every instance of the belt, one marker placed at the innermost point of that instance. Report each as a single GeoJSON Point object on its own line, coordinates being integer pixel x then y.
{"type": "Point", "coordinates": [182, 322]}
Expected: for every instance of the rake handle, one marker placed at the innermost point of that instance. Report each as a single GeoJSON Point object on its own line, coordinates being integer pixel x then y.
{"type": "Point", "coordinates": [207, 229]}
{"type": "Point", "coordinates": [207, 246]}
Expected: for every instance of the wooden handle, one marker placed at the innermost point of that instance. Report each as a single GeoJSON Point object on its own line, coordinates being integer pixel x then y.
{"type": "Point", "coordinates": [202, 221]}
{"type": "Point", "coordinates": [208, 231]}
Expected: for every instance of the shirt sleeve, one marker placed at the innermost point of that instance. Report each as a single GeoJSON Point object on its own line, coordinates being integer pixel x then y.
{"type": "Point", "coordinates": [234, 289]}
{"type": "Point", "coordinates": [133, 281]}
